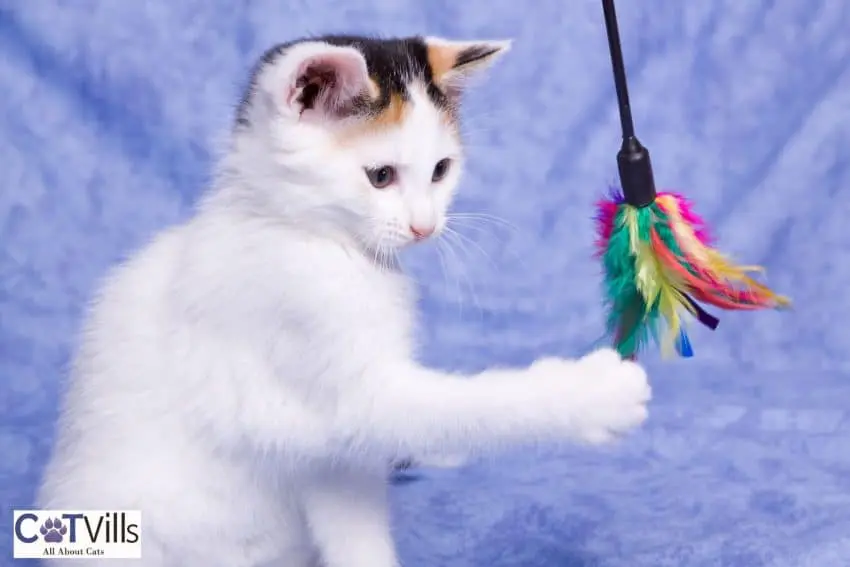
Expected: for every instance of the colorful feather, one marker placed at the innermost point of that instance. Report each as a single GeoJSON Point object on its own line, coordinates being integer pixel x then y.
{"type": "Point", "coordinates": [657, 262]}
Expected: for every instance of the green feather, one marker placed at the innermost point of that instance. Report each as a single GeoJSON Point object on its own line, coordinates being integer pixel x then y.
{"type": "Point", "coordinates": [631, 320]}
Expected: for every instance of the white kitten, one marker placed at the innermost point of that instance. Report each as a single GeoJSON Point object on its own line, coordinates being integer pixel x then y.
{"type": "Point", "coordinates": [246, 378]}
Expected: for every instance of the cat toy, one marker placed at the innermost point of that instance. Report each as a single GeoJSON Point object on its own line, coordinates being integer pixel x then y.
{"type": "Point", "coordinates": [656, 252]}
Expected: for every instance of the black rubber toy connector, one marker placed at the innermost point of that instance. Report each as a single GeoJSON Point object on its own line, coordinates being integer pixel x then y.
{"type": "Point", "coordinates": [636, 176]}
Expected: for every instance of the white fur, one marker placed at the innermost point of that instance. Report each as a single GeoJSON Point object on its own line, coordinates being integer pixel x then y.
{"type": "Point", "coordinates": [245, 379]}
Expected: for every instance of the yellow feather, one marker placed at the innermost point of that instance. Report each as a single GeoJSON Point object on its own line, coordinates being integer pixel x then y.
{"type": "Point", "coordinates": [658, 284]}
{"type": "Point", "coordinates": [716, 265]}
{"type": "Point", "coordinates": [646, 272]}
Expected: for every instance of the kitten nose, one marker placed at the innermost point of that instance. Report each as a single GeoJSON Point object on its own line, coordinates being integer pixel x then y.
{"type": "Point", "coordinates": [421, 232]}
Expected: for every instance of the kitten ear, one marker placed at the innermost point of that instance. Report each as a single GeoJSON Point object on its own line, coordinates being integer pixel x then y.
{"type": "Point", "coordinates": [319, 80]}
{"type": "Point", "coordinates": [453, 63]}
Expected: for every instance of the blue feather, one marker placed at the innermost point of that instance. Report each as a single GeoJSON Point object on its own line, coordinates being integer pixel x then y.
{"type": "Point", "coordinates": [683, 345]}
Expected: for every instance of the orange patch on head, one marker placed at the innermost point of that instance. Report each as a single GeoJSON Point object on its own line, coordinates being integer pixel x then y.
{"type": "Point", "coordinates": [442, 59]}
{"type": "Point", "coordinates": [393, 114]}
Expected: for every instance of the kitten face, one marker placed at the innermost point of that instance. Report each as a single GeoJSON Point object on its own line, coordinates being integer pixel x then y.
{"type": "Point", "coordinates": [359, 135]}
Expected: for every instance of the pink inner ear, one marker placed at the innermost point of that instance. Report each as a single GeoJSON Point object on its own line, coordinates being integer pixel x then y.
{"type": "Point", "coordinates": [337, 76]}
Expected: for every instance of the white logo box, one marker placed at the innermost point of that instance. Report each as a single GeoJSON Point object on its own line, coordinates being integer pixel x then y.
{"type": "Point", "coordinates": [83, 534]}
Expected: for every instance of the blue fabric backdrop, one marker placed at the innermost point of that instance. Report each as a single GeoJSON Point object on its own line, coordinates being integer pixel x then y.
{"type": "Point", "coordinates": [109, 117]}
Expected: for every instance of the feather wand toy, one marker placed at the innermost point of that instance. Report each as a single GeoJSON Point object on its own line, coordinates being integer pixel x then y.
{"type": "Point", "coordinates": [656, 252]}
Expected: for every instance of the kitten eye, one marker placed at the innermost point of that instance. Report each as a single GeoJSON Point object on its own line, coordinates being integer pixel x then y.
{"type": "Point", "coordinates": [440, 170]}
{"type": "Point", "coordinates": [381, 177]}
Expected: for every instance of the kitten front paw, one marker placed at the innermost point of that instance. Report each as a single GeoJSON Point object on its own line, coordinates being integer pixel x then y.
{"type": "Point", "coordinates": [595, 398]}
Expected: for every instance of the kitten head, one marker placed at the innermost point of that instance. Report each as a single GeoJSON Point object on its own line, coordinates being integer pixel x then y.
{"type": "Point", "coordinates": [357, 136]}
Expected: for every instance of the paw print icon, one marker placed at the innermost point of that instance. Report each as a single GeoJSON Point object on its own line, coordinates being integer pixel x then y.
{"type": "Point", "coordinates": [53, 530]}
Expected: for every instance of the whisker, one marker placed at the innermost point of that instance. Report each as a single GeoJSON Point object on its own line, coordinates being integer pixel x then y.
{"type": "Point", "coordinates": [458, 295]}
{"type": "Point", "coordinates": [385, 256]}
{"type": "Point", "coordinates": [450, 247]}
{"type": "Point", "coordinates": [484, 218]}
{"type": "Point", "coordinates": [462, 238]}
{"type": "Point", "coordinates": [477, 227]}
{"type": "Point", "coordinates": [443, 267]}
{"type": "Point", "coordinates": [377, 247]}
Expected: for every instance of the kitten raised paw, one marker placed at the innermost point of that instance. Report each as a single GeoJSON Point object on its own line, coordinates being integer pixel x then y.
{"type": "Point", "coordinates": [595, 398]}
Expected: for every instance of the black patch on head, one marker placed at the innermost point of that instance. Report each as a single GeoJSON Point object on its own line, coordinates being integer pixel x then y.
{"type": "Point", "coordinates": [474, 54]}
{"type": "Point", "coordinates": [392, 64]}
